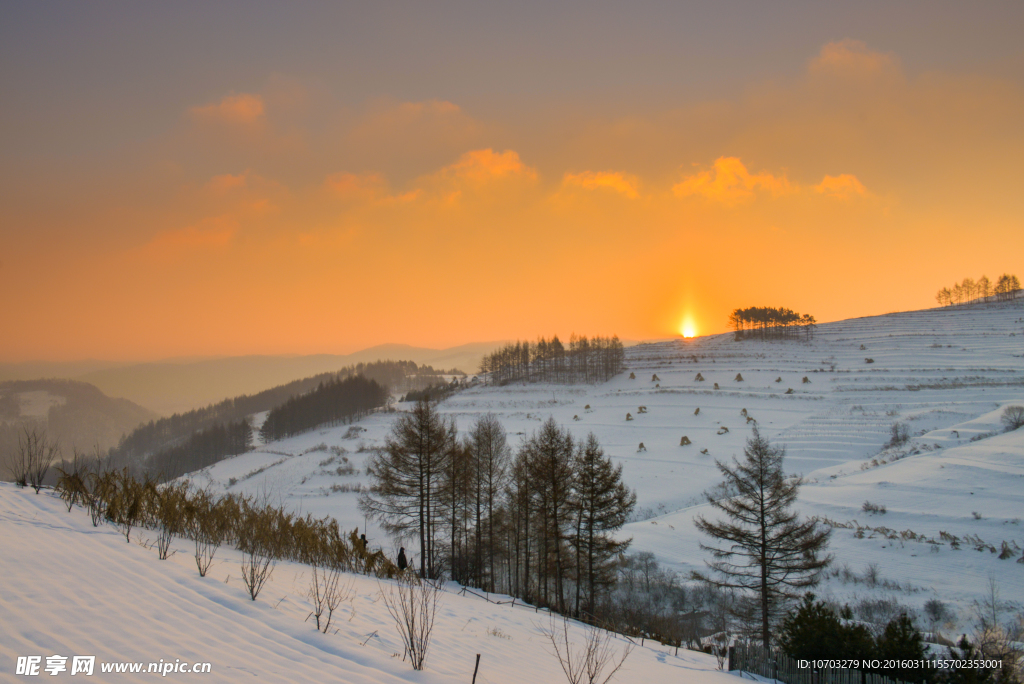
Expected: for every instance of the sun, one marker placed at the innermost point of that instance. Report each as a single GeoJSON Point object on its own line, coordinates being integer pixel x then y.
{"type": "Point", "coordinates": [688, 329]}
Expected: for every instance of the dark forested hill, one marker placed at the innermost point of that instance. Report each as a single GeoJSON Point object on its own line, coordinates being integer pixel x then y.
{"type": "Point", "coordinates": [204, 436]}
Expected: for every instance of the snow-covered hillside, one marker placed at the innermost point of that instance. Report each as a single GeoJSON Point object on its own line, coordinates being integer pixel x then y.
{"type": "Point", "coordinates": [70, 589]}
{"type": "Point", "coordinates": [946, 373]}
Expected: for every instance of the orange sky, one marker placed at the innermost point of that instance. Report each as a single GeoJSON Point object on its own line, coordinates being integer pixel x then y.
{"type": "Point", "coordinates": [271, 216]}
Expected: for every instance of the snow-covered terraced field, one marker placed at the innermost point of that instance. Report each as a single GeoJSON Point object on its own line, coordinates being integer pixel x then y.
{"type": "Point", "coordinates": [946, 373]}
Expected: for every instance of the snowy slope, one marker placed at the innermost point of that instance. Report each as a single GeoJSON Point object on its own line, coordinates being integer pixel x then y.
{"type": "Point", "coordinates": [70, 589]}
{"type": "Point", "coordinates": [946, 373]}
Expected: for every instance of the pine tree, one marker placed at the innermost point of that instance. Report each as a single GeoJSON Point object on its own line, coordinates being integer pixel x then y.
{"type": "Point", "coordinates": [814, 631]}
{"type": "Point", "coordinates": [603, 503]}
{"type": "Point", "coordinates": [768, 553]}
{"type": "Point", "coordinates": [901, 641]}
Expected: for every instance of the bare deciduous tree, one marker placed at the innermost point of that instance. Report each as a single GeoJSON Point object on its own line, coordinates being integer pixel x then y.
{"type": "Point", "coordinates": [998, 634]}
{"type": "Point", "coordinates": [327, 591]}
{"type": "Point", "coordinates": [412, 603]}
{"type": "Point", "coordinates": [257, 540]}
{"type": "Point", "coordinates": [72, 482]}
{"type": "Point", "coordinates": [205, 528]}
{"type": "Point", "coordinates": [589, 659]}
{"type": "Point", "coordinates": [30, 462]}
{"type": "Point", "coordinates": [1013, 417]}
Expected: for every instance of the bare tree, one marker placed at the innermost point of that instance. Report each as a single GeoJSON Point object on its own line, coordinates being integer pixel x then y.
{"type": "Point", "coordinates": [998, 635]}
{"type": "Point", "coordinates": [126, 502]}
{"type": "Point", "coordinates": [491, 454]}
{"type": "Point", "coordinates": [768, 552]}
{"type": "Point", "coordinates": [206, 529]}
{"type": "Point", "coordinates": [590, 659]}
{"type": "Point", "coordinates": [412, 603]}
{"type": "Point", "coordinates": [326, 589]}
{"type": "Point", "coordinates": [258, 543]}
{"type": "Point", "coordinates": [31, 461]}
{"type": "Point", "coordinates": [72, 481]}
{"type": "Point", "coordinates": [170, 504]}
{"type": "Point", "coordinates": [1013, 417]}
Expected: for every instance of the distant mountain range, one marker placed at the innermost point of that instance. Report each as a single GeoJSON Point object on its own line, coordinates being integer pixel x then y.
{"type": "Point", "coordinates": [179, 385]}
{"type": "Point", "coordinates": [76, 414]}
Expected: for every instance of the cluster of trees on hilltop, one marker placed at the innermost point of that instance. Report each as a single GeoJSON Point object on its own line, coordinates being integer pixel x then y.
{"type": "Point", "coordinates": [332, 402]}
{"type": "Point", "coordinates": [399, 376]}
{"type": "Point", "coordinates": [765, 322]}
{"type": "Point", "coordinates": [1006, 287]}
{"type": "Point", "coordinates": [535, 524]}
{"type": "Point", "coordinates": [585, 360]}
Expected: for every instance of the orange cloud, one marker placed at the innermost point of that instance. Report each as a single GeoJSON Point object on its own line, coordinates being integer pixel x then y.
{"type": "Point", "coordinates": [211, 233]}
{"type": "Point", "coordinates": [240, 109]}
{"type": "Point", "coordinates": [844, 186]}
{"type": "Point", "coordinates": [480, 166]}
{"type": "Point", "coordinates": [852, 58]}
{"type": "Point", "coordinates": [610, 180]}
{"type": "Point", "coordinates": [371, 187]}
{"type": "Point", "coordinates": [730, 182]}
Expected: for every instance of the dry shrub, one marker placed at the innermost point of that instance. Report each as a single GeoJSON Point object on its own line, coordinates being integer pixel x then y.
{"type": "Point", "coordinates": [590, 659]}
{"type": "Point", "coordinates": [412, 604]}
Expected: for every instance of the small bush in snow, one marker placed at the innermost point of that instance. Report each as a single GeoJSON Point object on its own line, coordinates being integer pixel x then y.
{"type": "Point", "coordinates": [899, 434]}
{"type": "Point", "coordinates": [869, 507]}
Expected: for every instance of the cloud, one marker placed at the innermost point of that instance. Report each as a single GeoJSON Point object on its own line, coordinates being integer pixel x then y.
{"type": "Point", "coordinates": [482, 166]}
{"type": "Point", "coordinates": [844, 186]}
{"type": "Point", "coordinates": [615, 181]}
{"type": "Point", "coordinates": [239, 109]}
{"type": "Point", "coordinates": [850, 57]}
{"type": "Point", "coordinates": [729, 182]}
{"type": "Point", "coordinates": [371, 187]}
{"type": "Point", "coordinates": [210, 233]}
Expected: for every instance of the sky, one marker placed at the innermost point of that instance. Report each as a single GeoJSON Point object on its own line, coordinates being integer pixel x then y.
{"type": "Point", "coordinates": [200, 179]}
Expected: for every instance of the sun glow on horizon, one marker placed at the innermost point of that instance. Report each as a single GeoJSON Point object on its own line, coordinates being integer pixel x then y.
{"type": "Point", "coordinates": [688, 329]}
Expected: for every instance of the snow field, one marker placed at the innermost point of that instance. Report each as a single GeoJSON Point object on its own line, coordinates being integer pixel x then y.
{"type": "Point", "coordinates": [71, 589]}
